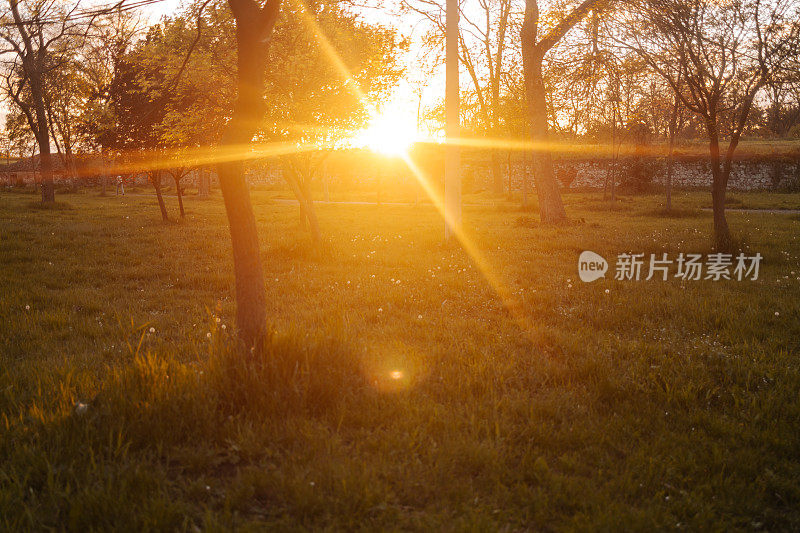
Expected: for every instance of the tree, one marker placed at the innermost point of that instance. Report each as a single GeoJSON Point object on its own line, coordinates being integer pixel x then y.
{"type": "Point", "coordinates": [675, 123]}
{"type": "Point", "coordinates": [138, 103]}
{"type": "Point", "coordinates": [111, 38]}
{"type": "Point", "coordinates": [534, 48]}
{"type": "Point", "coordinates": [67, 90]}
{"type": "Point", "coordinates": [783, 102]}
{"type": "Point", "coordinates": [33, 31]}
{"type": "Point", "coordinates": [178, 173]}
{"type": "Point", "coordinates": [192, 114]}
{"type": "Point", "coordinates": [317, 100]}
{"type": "Point", "coordinates": [484, 62]}
{"type": "Point", "coordinates": [254, 25]}
{"type": "Point", "coordinates": [155, 175]}
{"type": "Point", "coordinates": [327, 69]}
{"type": "Point", "coordinates": [452, 162]}
{"type": "Point", "coordinates": [21, 141]}
{"type": "Point", "coordinates": [483, 47]}
{"type": "Point", "coordinates": [716, 57]}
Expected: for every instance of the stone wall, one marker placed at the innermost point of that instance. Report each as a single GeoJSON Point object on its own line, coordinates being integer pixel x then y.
{"type": "Point", "coordinates": [746, 175]}
{"type": "Point", "coordinates": [650, 173]}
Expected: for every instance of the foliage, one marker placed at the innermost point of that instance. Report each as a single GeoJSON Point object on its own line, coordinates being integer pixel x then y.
{"type": "Point", "coordinates": [182, 76]}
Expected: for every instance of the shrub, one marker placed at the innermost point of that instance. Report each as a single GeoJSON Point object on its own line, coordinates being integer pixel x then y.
{"type": "Point", "coordinates": [637, 173]}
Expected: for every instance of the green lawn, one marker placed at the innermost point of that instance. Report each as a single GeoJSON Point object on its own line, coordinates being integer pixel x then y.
{"type": "Point", "coordinates": [682, 200]}
{"type": "Point", "coordinates": [399, 391]}
{"type": "Point", "coordinates": [691, 201]}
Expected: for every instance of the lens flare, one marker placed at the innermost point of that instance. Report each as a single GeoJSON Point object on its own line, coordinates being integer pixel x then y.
{"type": "Point", "coordinates": [389, 133]}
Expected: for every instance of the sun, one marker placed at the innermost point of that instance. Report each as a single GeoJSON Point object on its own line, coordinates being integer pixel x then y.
{"type": "Point", "coordinates": [389, 133]}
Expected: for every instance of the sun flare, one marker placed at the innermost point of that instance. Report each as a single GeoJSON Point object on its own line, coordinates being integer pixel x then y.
{"type": "Point", "coordinates": [389, 133]}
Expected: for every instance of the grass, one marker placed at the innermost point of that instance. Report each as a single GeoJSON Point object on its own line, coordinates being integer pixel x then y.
{"type": "Point", "coordinates": [684, 202]}
{"type": "Point", "coordinates": [397, 392]}
{"type": "Point", "coordinates": [760, 200]}
{"type": "Point", "coordinates": [53, 206]}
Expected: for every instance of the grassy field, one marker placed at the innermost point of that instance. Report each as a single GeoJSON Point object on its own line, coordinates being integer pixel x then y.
{"type": "Point", "coordinates": [398, 391]}
{"type": "Point", "coordinates": [682, 200]}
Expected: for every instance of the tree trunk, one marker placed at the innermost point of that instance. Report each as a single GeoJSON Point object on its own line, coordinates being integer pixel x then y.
{"type": "Point", "coordinates": [612, 181]}
{"type": "Point", "coordinates": [253, 27]}
{"type": "Point", "coordinates": [46, 169]}
{"type": "Point", "coordinates": [104, 177]}
{"type": "Point", "coordinates": [325, 179]}
{"type": "Point", "coordinates": [73, 169]}
{"type": "Point", "coordinates": [66, 156]}
{"type": "Point", "coordinates": [303, 194]}
{"type": "Point", "coordinates": [311, 214]}
{"type": "Point", "coordinates": [497, 173]}
{"type": "Point", "coordinates": [525, 175]}
{"type": "Point", "coordinates": [33, 164]}
{"type": "Point", "coordinates": [204, 185]}
{"type": "Point", "coordinates": [670, 169]}
{"type": "Point", "coordinates": [452, 105]}
{"type": "Point", "coordinates": [722, 234]}
{"type": "Point", "coordinates": [551, 207]}
{"type": "Point", "coordinates": [180, 195]}
{"type": "Point", "coordinates": [251, 312]}
{"type": "Point", "coordinates": [508, 166]}
{"type": "Point", "coordinates": [156, 179]}
{"type": "Point", "coordinates": [307, 205]}
{"type": "Point", "coordinates": [673, 127]}
{"type": "Point", "coordinates": [42, 139]}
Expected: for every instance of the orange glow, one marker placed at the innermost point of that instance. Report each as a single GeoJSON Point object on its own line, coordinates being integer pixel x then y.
{"type": "Point", "coordinates": [388, 133]}
{"type": "Point", "coordinates": [478, 258]}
